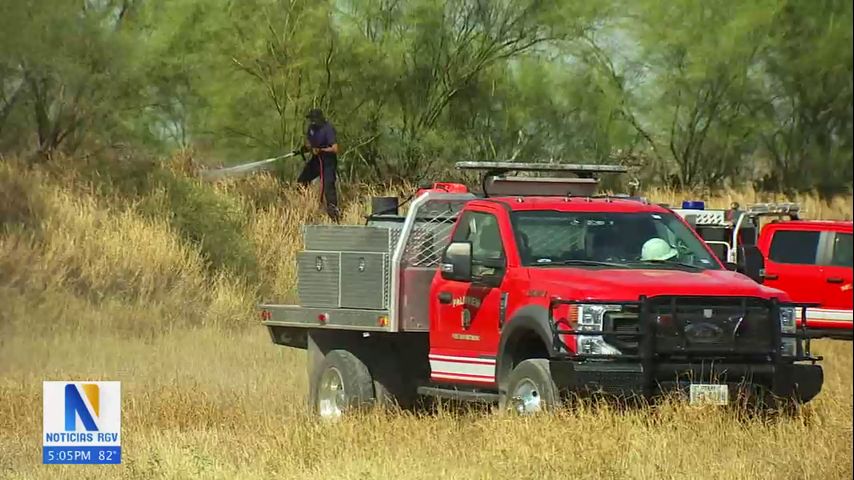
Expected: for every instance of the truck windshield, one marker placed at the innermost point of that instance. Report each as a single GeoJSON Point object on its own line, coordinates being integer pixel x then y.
{"type": "Point", "coordinates": [612, 239]}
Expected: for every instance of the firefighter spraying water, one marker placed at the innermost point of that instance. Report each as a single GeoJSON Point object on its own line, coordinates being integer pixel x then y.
{"type": "Point", "coordinates": [321, 143]}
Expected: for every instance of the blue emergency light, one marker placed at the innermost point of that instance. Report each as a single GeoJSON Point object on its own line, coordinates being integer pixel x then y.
{"type": "Point", "coordinates": [693, 205]}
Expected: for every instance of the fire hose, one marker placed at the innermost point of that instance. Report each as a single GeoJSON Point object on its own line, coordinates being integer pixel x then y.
{"type": "Point", "coordinates": [247, 168]}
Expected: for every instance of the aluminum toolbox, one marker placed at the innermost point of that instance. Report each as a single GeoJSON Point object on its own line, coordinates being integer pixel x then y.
{"type": "Point", "coordinates": [364, 280]}
{"type": "Point", "coordinates": [345, 267]}
{"type": "Point", "coordinates": [319, 276]}
{"type": "Point", "coordinates": [347, 238]}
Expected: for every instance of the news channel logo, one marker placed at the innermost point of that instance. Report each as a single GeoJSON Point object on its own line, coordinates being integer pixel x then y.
{"type": "Point", "coordinates": [82, 423]}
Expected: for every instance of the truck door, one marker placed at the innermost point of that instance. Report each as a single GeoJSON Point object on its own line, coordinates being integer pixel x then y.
{"type": "Point", "coordinates": [464, 332]}
{"type": "Point", "coordinates": [791, 261]}
{"type": "Point", "coordinates": [837, 271]}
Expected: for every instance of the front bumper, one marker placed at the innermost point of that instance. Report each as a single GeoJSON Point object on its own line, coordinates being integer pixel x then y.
{"type": "Point", "coordinates": [748, 356]}
{"type": "Point", "coordinates": [785, 380]}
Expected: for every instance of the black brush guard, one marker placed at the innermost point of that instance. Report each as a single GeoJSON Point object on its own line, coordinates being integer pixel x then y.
{"type": "Point", "coordinates": [658, 363]}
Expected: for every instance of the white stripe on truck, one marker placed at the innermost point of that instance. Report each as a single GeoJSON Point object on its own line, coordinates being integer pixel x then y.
{"type": "Point", "coordinates": [452, 367]}
{"type": "Point", "coordinates": [827, 314]}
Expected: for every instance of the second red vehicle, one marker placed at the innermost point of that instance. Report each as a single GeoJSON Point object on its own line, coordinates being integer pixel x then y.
{"type": "Point", "coordinates": [811, 260]}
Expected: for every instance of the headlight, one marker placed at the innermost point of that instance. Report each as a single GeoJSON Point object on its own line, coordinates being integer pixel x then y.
{"type": "Point", "coordinates": [787, 319]}
{"type": "Point", "coordinates": [591, 318]}
{"type": "Point", "coordinates": [787, 325]}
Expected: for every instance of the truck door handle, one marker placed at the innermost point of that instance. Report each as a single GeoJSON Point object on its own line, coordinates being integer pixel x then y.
{"type": "Point", "coordinates": [771, 276]}
{"type": "Point", "coordinates": [835, 280]}
{"type": "Point", "coordinates": [445, 297]}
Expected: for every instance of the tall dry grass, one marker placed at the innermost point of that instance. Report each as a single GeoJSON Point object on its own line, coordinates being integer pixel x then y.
{"type": "Point", "coordinates": [93, 285]}
{"type": "Point", "coordinates": [201, 404]}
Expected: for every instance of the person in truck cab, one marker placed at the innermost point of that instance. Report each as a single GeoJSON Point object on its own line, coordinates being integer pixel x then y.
{"type": "Point", "coordinates": [604, 244]}
{"type": "Point", "coordinates": [624, 239]}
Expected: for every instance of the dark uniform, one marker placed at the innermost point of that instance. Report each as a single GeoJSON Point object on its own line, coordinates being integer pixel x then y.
{"type": "Point", "coordinates": [321, 134]}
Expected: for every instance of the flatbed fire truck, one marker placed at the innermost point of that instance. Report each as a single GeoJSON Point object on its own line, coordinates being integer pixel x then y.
{"type": "Point", "coordinates": [810, 260]}
{"type": "Point", "coordinates": [530, 292]}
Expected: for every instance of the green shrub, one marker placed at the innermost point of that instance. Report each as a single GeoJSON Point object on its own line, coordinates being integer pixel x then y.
{"type": "Point", "coordinates": [120, 178]}
{"type": "Point", "coordinates": [213, 221]}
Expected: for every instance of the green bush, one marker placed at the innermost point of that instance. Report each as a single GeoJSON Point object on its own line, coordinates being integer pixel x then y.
{"type": "Point", "coordinates": [214, 222]}
{"type": "Point", "coordinates": [211, 220]}
{"type": "Point", "coordinates": [116, 178]}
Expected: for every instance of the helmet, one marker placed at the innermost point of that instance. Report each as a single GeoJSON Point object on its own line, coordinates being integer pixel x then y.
{"type": "Point", "coordinates": [657, 249]}
{"type": "Point", "coordinates": [315, 115]}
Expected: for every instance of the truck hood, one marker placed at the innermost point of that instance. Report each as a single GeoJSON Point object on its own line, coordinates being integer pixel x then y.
{"type": "Point", "coordinates": [630, 284]}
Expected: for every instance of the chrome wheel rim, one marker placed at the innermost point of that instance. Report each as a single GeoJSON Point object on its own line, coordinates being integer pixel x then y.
{"type": "Point", "coordinates": [526, 398]}
{"type": "Point", "coordinates": [331, 398]}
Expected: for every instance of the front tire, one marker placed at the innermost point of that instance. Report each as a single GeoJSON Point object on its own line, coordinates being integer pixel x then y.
{"type": "Point", "coordinates": [342, 384]}
{"type": "Point", "coordinates": [531, 389]}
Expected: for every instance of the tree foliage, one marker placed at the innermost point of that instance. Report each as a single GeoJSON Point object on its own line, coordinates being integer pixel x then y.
{"type": "Point", "coordinates": [695, 94]}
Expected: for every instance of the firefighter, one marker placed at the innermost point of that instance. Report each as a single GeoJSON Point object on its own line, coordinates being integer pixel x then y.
{"type": "Point", "coordinates": [321, 141]}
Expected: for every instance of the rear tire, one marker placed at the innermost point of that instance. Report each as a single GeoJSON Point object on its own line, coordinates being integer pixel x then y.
{"type": "Point", "coordinates": [342, 384]}
{"type": "Point", "coordinates": [530, 389]}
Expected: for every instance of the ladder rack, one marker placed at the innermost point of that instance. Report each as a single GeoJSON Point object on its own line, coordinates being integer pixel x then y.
{"type": "Point", "coordinates": [496, 182]}
{"type": "Point", "coordinates": [578, 169]}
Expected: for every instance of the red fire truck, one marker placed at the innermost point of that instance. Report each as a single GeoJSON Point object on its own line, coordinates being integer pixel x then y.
{"type": "Point", "coordinates": [810, 260]}
{"type": "Point", "coordinates": [533, 290]}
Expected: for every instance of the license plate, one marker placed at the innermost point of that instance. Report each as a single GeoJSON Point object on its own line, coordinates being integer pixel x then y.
{"type": "Point", "coordinates": [705, 394]}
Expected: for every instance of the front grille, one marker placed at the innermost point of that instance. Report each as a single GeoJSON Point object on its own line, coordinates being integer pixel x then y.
{"type": "Point", "coordinates": [698, 326]}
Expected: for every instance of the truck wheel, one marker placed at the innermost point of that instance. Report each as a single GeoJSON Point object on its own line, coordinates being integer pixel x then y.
{"type": "Point", "coordinates": [530, 388]}
{"type": "Point", "coordinates": [341, 384]}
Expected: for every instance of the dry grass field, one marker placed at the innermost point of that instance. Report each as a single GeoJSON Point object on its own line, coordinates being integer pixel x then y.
{"type": "Point", "coordinates": [92, 287]}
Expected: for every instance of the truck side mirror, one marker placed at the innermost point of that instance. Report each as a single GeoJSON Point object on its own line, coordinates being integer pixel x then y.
{"type": "Point", "coordinates": [751, 262]}
{"type": "Point", "coordinates": [456, 262]}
